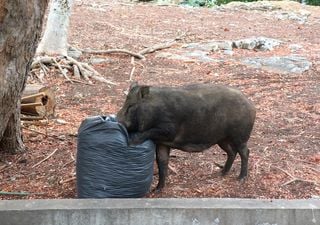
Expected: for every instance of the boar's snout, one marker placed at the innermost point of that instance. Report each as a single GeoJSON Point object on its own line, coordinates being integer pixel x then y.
{"type": "Point", "coordinates": [126, 117]}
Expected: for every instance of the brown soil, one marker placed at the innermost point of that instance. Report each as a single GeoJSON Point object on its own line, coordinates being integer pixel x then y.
{"type": "Point", "coordinates": [285, 142]}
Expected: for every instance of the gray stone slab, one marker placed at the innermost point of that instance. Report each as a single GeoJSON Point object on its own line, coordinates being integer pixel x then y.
{"type": "Point", "coordinates": [282, 64]}
{"type": "Point", "coordinates": [160, 211]}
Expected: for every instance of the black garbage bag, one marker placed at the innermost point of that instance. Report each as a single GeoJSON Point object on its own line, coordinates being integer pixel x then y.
{"type": "Point", "coordinates": [106, 166]}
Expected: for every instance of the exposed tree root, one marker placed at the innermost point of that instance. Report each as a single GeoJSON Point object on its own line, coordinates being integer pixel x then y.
{"type": "Point", "coordinates": [79, 70]}
{"type": "Point", "coordinates": [41, 65]}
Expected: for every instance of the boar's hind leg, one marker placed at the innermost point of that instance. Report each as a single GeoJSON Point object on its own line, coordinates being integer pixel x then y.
{"type": "Point", "coordinates": [162, 157]}
{"type": "Point", "coordinates": [244, 155]}
{"type": "Point", "coordinates": [231, 154]}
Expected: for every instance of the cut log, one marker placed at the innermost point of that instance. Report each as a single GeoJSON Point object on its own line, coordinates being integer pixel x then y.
{"type": "Point", "coordinates": [37, 101]}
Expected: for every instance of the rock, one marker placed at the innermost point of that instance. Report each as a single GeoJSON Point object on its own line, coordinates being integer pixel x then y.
{"type": "Point", "coordinates": [210, 45]}
{"type": "Point", "coordinates": [300, 16]}
{"type": "Point", "coordinates": [295, 47]}
{"type": "Point", "coordinates": [259, 6]}
{"type": "Point", "coordinates": [174, 56]}
{"type": "Point", "coordinates": [260, 43]}
{"type": "Point", "coordinates": [200, 56]}
{"type": "Point", "coordinates": [285, 64]}
{"type": "Point", "coordinates": [187, 56]}
{"type": "Point", "coordinates": [228, 52]}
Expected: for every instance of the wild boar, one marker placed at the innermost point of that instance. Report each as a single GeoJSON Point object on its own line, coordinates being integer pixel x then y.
{"type": "Point", "coordinates": [192, 119]}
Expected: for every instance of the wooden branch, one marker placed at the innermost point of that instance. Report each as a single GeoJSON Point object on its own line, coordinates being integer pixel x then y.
{"type": "Point", "coordinates": [156, 47]}
{"type": "Point", "coordinates": [161, 46]}
{"type": "Point", "coordinates": [109, 51]}
{"type": "Point", "coordinates": [299, 179]}
{"type": "Point", "coordinates": [51, 154]}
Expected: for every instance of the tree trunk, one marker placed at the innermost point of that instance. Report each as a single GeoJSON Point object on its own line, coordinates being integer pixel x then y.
{"type": "Point", "coordinates": [20, 27]}
{"type": "Point", "coordinates": [55, 38]}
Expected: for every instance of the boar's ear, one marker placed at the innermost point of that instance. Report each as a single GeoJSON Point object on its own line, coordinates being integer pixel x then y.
{"type": "Point", "coordinates": [143, 91]}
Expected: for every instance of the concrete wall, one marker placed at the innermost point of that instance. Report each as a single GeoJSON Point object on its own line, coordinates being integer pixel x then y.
{"type": "Point", "coordinates": [160, 211]}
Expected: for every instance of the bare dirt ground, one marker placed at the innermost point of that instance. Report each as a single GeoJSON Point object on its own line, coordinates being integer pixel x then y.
{"type": "Point", "coordinates": [285, 144]}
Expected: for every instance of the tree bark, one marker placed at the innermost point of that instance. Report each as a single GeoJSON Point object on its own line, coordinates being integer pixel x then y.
{"type": "Point", "coordinates": [55, 38]}
{"type": "Point", "coordinates": [20, 27]}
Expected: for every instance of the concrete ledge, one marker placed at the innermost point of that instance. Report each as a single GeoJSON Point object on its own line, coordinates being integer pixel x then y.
{"type": "Point", "coordinates": [160, 211]}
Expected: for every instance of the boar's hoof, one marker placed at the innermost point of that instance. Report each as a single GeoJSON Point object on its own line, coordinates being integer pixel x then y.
{"type": "Point", "coordinates": [224, 172]}
{"type": "Point", "coordinates": [242, 179]}
{"type": "Point", "coordinates": [157, 190]}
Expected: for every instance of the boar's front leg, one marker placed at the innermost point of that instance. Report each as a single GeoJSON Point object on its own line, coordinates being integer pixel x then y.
{"type": "Point", "coordinates": [162, 157]}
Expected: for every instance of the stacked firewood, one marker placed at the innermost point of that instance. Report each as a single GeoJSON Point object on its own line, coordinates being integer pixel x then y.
{"type": "Point", "coordinates": [37, 102]}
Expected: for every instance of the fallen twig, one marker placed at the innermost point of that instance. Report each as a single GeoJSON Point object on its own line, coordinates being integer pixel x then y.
{"type": "Point", "coordinates": [51, 154]}
{"type": "Point", "coordinates": [133, 68]}
{"type": "Point", "coordinates": [173, 169]}
{"type": "Point", "coordinates": [66, 164]}
{"type": "Point", "coordinates": [294, 178]}
{"type": "Point", "coordinates": [35, 131]}
{"type": "Point", "coordinates": [67, 180]}
{"type": "Point", "coordinates": [218, 165]}
{"type": "Point", "coordinates": [285, 172]}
